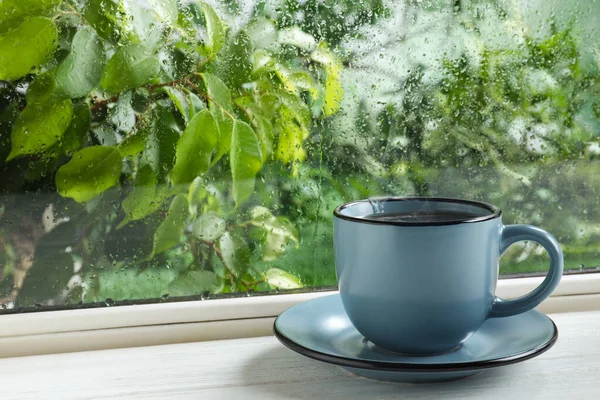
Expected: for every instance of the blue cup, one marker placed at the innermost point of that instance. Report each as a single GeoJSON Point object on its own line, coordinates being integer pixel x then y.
{"type": "Point", "coordinates": [418, 275]}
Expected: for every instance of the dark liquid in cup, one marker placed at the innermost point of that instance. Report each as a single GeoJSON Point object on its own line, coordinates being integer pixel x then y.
{"type": "Point", "coordinates": [423, 216]}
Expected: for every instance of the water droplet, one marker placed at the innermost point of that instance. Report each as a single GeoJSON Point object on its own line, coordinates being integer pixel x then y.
{"type": "Point", "coordinates": [109, 302]}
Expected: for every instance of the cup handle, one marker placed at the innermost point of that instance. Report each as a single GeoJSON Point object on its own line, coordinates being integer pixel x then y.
{"type": "Point", "coordinates": [516, 233]}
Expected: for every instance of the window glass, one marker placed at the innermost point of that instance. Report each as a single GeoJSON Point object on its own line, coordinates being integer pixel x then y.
{"type": "Point", "coordinates": [160, 149]}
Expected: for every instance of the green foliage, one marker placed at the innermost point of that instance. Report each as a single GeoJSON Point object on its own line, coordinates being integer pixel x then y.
{"type": "Point", "coordinates": [246, 160]}
{"type": "Point", "coordinates": [195, 148]}
{"type": "Point", "coordinates": [90, 172]}
{"type": "Point", "coordinates": [234, 63]}
{"type": "Point", "coordinates": [103, 17]}
{"type": "Point", "coordinates": [76, 132]}
{"type": "Point", "coordinates": [209, 226]}
{"type": "Point", "coordinates": [220, 105]}
{"type": "Point", "coordinates": [13, 12]}
{"type": "Point", "coordinates": [80, 72]}
{"type": "Point", "coordinates": [27, 47]}
{"type": "Point", "coordinates": [192, 283]}
{"type": "Point", "coordinates": [276, 233]}
{"type": "Point", "coordinates": [40, 125]}
{"type": "Point", "coordinates": [235, 253]}
{"type": "Point", "coordinates": [191, 155]}
{"type": "Point", "coordinates": [330, 20]}
{"type": "Point", "coordinates": [215, 31]}
{"type": "Point", "coordinates": [131, 66]}
{"type": "Point", "coordinates": [333, 86]}
{"type": "Point", "coordinates": [168, 233]}
{"type": "Point", "coordinates": [133, 144]}
{"type": "Point", "coordinates": [145, 198]}
{"type": "Point", "coordinates": [280, 279]}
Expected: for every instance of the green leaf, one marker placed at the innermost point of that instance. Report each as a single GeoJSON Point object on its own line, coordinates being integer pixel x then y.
{"type": "Point", "coordinates": [305, 81]}
{"type": "Point", "coordinates": [264, 130]}
{"type": "Point", "coordinates": [334, 91]}
{"type": "Point", "coordinates": [273, 246]}
{"type": "Point", "coordinates": [145, 198]}
{"type": "Point", "coordinates": [221, 106]}
{"type": "Point", "coordinates": [297, 37]}
{"type": "Point", "coordinates": [41, 89]}
{"type": "Point", "coordinates": [162, 141]}
{"type": "Point", "coordinates": [75, 135]}
{"type": "Point", "coordinates": [225, 124]}
{"type": "Point", "coordinates": [40, 126]}
{"type": "Point", "coordinates": [187, 103]}
{"type": "Point", "coordinates": [131, 66]}
{"type": "Point", "coordinates": [144, 22]}
{"type": "Point", "coordinates": [90, 172]}
{"type": "Point", "coordinates": [234, 63]}
{"type": "Point", "coordinates": [209, 226]}
{"type": "Point", "coordinates": [262, 61]}
{"type": "Point", "coordinates": [103, 16]}
{"type": "Point", "coordinates": [298, 109]}
{"type": "Point", "coordinates": [196, 104]}
{"type": "Point", "coordinates": [281, 279]}
{"type": "Point", "coordinates": [181, 101]}
{"type": "Point", "coordinates": [245, 160]}
{"type": "Point", "coordinates": [80, 72]}
{"type": "Point", "coordinates": [195, 148]}
{"type": "Point", "coordinates": [170, 230]}
{"type": "Point", "coordinates": [165, 11]}
{"type": "Point", "coordinates": [220, 96]}
{"type": "Point", "coordinates": [196, 193]}
{"type": "Point", "coordinates": [263, 218]}
{"type": "Point", "coordinates": [190, 283]}
{"type": "Point", "coordinates": [235, 253]}
{"type": "Point", "coordinates": [278, 231]}
{"type": "Point", "coordinates": [295, 82]}
{"type": "Point", "coordinates": [290, 139]}
{"type": "Point", "coordinates": [268, 105]}
{"type": "Point", "coordinates": [132, 21]}
{"type": "Point", "coordinates": [134, 144]}
{"type": "Point", "coordinates": [13, 12]}
{"type": "Point", "coordinates": [215, 29]}
{"type": "Point", "coordinates": [27, 47]}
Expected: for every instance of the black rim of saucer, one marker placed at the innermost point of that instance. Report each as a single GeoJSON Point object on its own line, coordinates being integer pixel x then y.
{"type": "Point", "coordinates": [495, 212]}
{"type": "Point", "coordinates": [408, 367]}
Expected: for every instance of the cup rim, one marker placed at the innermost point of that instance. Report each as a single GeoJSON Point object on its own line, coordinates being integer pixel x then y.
{"type": "Point", "coordinates": [495, 212]}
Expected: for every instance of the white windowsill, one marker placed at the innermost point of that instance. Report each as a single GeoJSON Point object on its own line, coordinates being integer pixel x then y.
{"type": "Point", "coordinates": [182, 322]}
{"type": "Point", "coordinates": [263, 369]}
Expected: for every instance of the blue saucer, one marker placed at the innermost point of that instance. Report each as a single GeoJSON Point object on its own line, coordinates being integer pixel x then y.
{"type": "Point", "coordinates": [320, 329]}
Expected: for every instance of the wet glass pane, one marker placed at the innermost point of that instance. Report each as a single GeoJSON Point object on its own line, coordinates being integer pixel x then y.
{"type": "Point", "coordinates": [157, 149]}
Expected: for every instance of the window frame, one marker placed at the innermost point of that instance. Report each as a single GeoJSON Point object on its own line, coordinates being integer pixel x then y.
{"type": "Point", "coordinates": [219, 319]}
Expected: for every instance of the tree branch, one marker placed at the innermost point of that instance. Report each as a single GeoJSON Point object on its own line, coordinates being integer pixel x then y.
{"type": "Point", "coordinates": [103, 103]}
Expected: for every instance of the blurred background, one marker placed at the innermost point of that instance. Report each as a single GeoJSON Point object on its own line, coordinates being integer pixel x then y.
{"type": "Point", "coordinates": [162, 149]}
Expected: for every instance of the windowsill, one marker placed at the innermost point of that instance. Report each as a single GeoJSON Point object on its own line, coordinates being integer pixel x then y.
{"type": "Point", "coordinates": [261, 368]}
{"type": "Point", "coordinates": [193, 321]}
